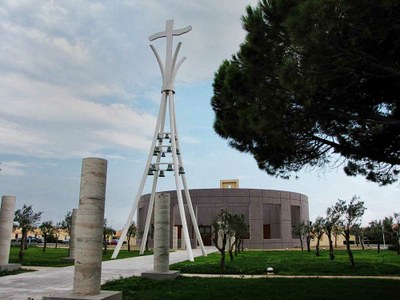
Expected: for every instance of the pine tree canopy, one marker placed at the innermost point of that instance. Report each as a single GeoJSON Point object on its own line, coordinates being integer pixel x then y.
{"type": "Point", "coordinates": [314, 81]}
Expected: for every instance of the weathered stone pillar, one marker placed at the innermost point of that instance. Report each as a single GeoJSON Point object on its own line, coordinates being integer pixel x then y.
{"type": "Point", "coordinates": [89, 235]}
{"type": "Point", "coordinates": [161, 232]}
{"type": "Point", "coordinates": [161, 239]}
{"type": "Point", "coordinates": [87, 275]}
{"type": "Point", "coordinates": [6, 226]}
{"type": "Point", "coordinates": [72, 238]}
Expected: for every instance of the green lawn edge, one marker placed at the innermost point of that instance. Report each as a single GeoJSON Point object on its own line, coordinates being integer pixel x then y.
{"type": "Point", "coordinates": [55, 257]}
{"type": "Point", "coordinates": [263, 288]}
{"type": "Point", "coordinates": [368, 263]}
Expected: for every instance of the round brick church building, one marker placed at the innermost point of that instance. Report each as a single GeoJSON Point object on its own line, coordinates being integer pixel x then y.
{"type": "Point", "coordinates": [270, 214]}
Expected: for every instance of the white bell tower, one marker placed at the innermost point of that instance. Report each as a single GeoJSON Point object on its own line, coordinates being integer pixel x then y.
{"type": "Point", "coordinates": [164, 155]}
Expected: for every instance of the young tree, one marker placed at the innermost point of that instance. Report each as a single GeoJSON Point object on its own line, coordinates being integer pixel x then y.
{"type": "Point", "coordinates": [47, 229]}
{"type": "Point", "coordinates": [108, 232]}
{"type": "Point", "coordinates": [336, 232]}
{"type": "Point", "coordinates": [26, 219]}
{"type": "Point", "coordinates": [396, 230]}
{"type": "Point", "coordinates": [239, 231]}
{"type": "Point", "coordinates": [66, 225]}
{"type": "Point", "coordinates": [358, 232]}
{"type": "Point", "coordinates": [222, 232]}
{"type": "Point", "coordinates": [313, 79]}
{"type": "Point", "coordinates": [308, 230]}
{"type": "Point", "coordinates": [150, 236]}
{"type": "Point", "coordinates": [351, 215]}
{"type": "Point", "coordinates": [318, 231]}
{"type": "Point", "coordinates": [375, 232]}
{"type": "Point", "coordinates": [300, 230]}
{"type": "Point", "coordinates": [131, 233]}
{"type": "Point", "coordinates": [332, 219]}
{"type": "Point", "coordinates": [56, 233]}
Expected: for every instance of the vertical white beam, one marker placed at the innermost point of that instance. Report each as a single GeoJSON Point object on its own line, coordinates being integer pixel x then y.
{"type": "Point", "coordinates": [143, 181]}
{"type": "Point", "coordinates": [176, 172]}
{"type": "Point", "coordinates": [187, 194]}
{"type": "Point", "coordinates": [153, 189]}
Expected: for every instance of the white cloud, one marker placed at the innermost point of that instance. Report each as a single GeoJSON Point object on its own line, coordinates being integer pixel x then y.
{"type": "Point", "coordinates": [45, 120]}
{"type": "Point", "coordinates": [13, 168]}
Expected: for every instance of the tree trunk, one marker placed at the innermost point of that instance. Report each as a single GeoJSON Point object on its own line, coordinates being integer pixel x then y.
{"type": "Point", "coordinates": [105, 244]}
{"type": "Point", "coordinates": [301, 242]}
{"type": "Point", "coordinates": [222, 263]}
{"type": "Point", "coordinates": [347, 238]}
{"type": "Point", "coordinates": [221, 249]}
{"type": "Point", "coordinates": [230, 248]}
{"type": "Point", "coordinates": [317, 247]}
{"type": "Point", "coordinates": [398, 242]}
{"type": "Point", "coordinates": [236, 246]}
{"type": "Point", "coordinates": [308, 241]}
{"type": "Point", "coordinates": [379, 247]}
{"type": "Point", "coordinates": [331, 255]}
{"type": "Point", "coordinates": [44, 243]}
{"type": "Point", "coordinates": [231, 254]}
{"type": "Point", "coordinates": [239, 245]}
{"type": "Point", "coordinates": [335, 245]}
{"type": "Point", "coordinates": [362, 242]}
{"type": "Point", "coordinates": [22, 247]}
{"type": "Point", "coordinates": [129, 243]}
{"type": "Point", "coordinates": [57, 244]}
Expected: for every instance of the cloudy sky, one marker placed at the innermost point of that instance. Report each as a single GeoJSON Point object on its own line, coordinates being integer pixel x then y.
{"type": "Point", "coordinates": [78, 79]}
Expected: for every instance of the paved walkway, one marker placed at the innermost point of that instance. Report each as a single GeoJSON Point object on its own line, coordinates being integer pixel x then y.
{"type": "Point", "coordinates": [51, 281]}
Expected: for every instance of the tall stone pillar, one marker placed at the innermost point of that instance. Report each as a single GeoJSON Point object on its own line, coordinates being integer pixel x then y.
{"type": "Point", "coordinates": [161, 239]}
{"type": "Point", "coordinates": [6, 225]}
{"type": "Point", "coordinates": [89, 235]}
{"type": "Point", "coordinates": [88, 257]}
{"type": "Point", "coordinates": [161, 232]}
{"type": "Point", "coordinates": [72, 238]}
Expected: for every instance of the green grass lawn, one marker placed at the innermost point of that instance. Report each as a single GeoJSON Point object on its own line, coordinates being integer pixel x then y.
{"type": "Point", "coordinates": [265, 288]}
{"type": "Point", "coordinates": [34, 256]}
{"type": "Point", "coordinates": [368, 262]}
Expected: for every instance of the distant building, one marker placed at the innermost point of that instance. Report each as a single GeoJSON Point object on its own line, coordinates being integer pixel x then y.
{"type": "Point", "coordinates": [229, 184]}
{"type": "Point", "coordinates": [270, 214]}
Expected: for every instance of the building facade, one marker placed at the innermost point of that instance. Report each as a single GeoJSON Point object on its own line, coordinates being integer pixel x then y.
{"type": "Point", "coordinates": [270, 214]}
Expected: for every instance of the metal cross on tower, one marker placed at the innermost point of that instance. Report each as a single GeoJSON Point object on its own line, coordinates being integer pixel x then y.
{"type": "Point", "coordinates": [159, 149]}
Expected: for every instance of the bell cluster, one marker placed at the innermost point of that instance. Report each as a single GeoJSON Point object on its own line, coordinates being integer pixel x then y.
{"type": "Point", "coordinates": [160, 151]}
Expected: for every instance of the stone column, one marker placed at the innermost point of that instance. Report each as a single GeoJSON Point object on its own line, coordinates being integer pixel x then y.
{"type": "Point", "coordinates": [72, 238]}
{"type": "Point", "coordinates": [161, 240]}
{"type": "Point", "coordinates": [161, 232]}
{"type": "Point", "coordinates": [6, 226]}
{"type": "Point", "coordinates": [88, 256]}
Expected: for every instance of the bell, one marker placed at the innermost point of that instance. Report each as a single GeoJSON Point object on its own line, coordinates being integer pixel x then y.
{"type": "Point", "coordinates": [155, 153]}
{"type": "Point", "coordinates": [159, 138]}
{"type": "Point", "coordinates": [181, 170]}
{"type": "Point", "coordinates": [169, 150]}
{"type": "Point", "coordinates": [161, 174]}
{"type": "Point", "coordinates": [163, 154]}
{"type": "Point", "coordinates": [150, 173]}
{"type": "Point", "coordinates": [156, 149]}
{"type": "Point", "coordinates": [153, 168]}
{"type": "Point", "coordinates": [169, 168]}
{"type": "Point", "coordinates": [178, 152]}
{"type": "Point", "coordinates": [166, 136]}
